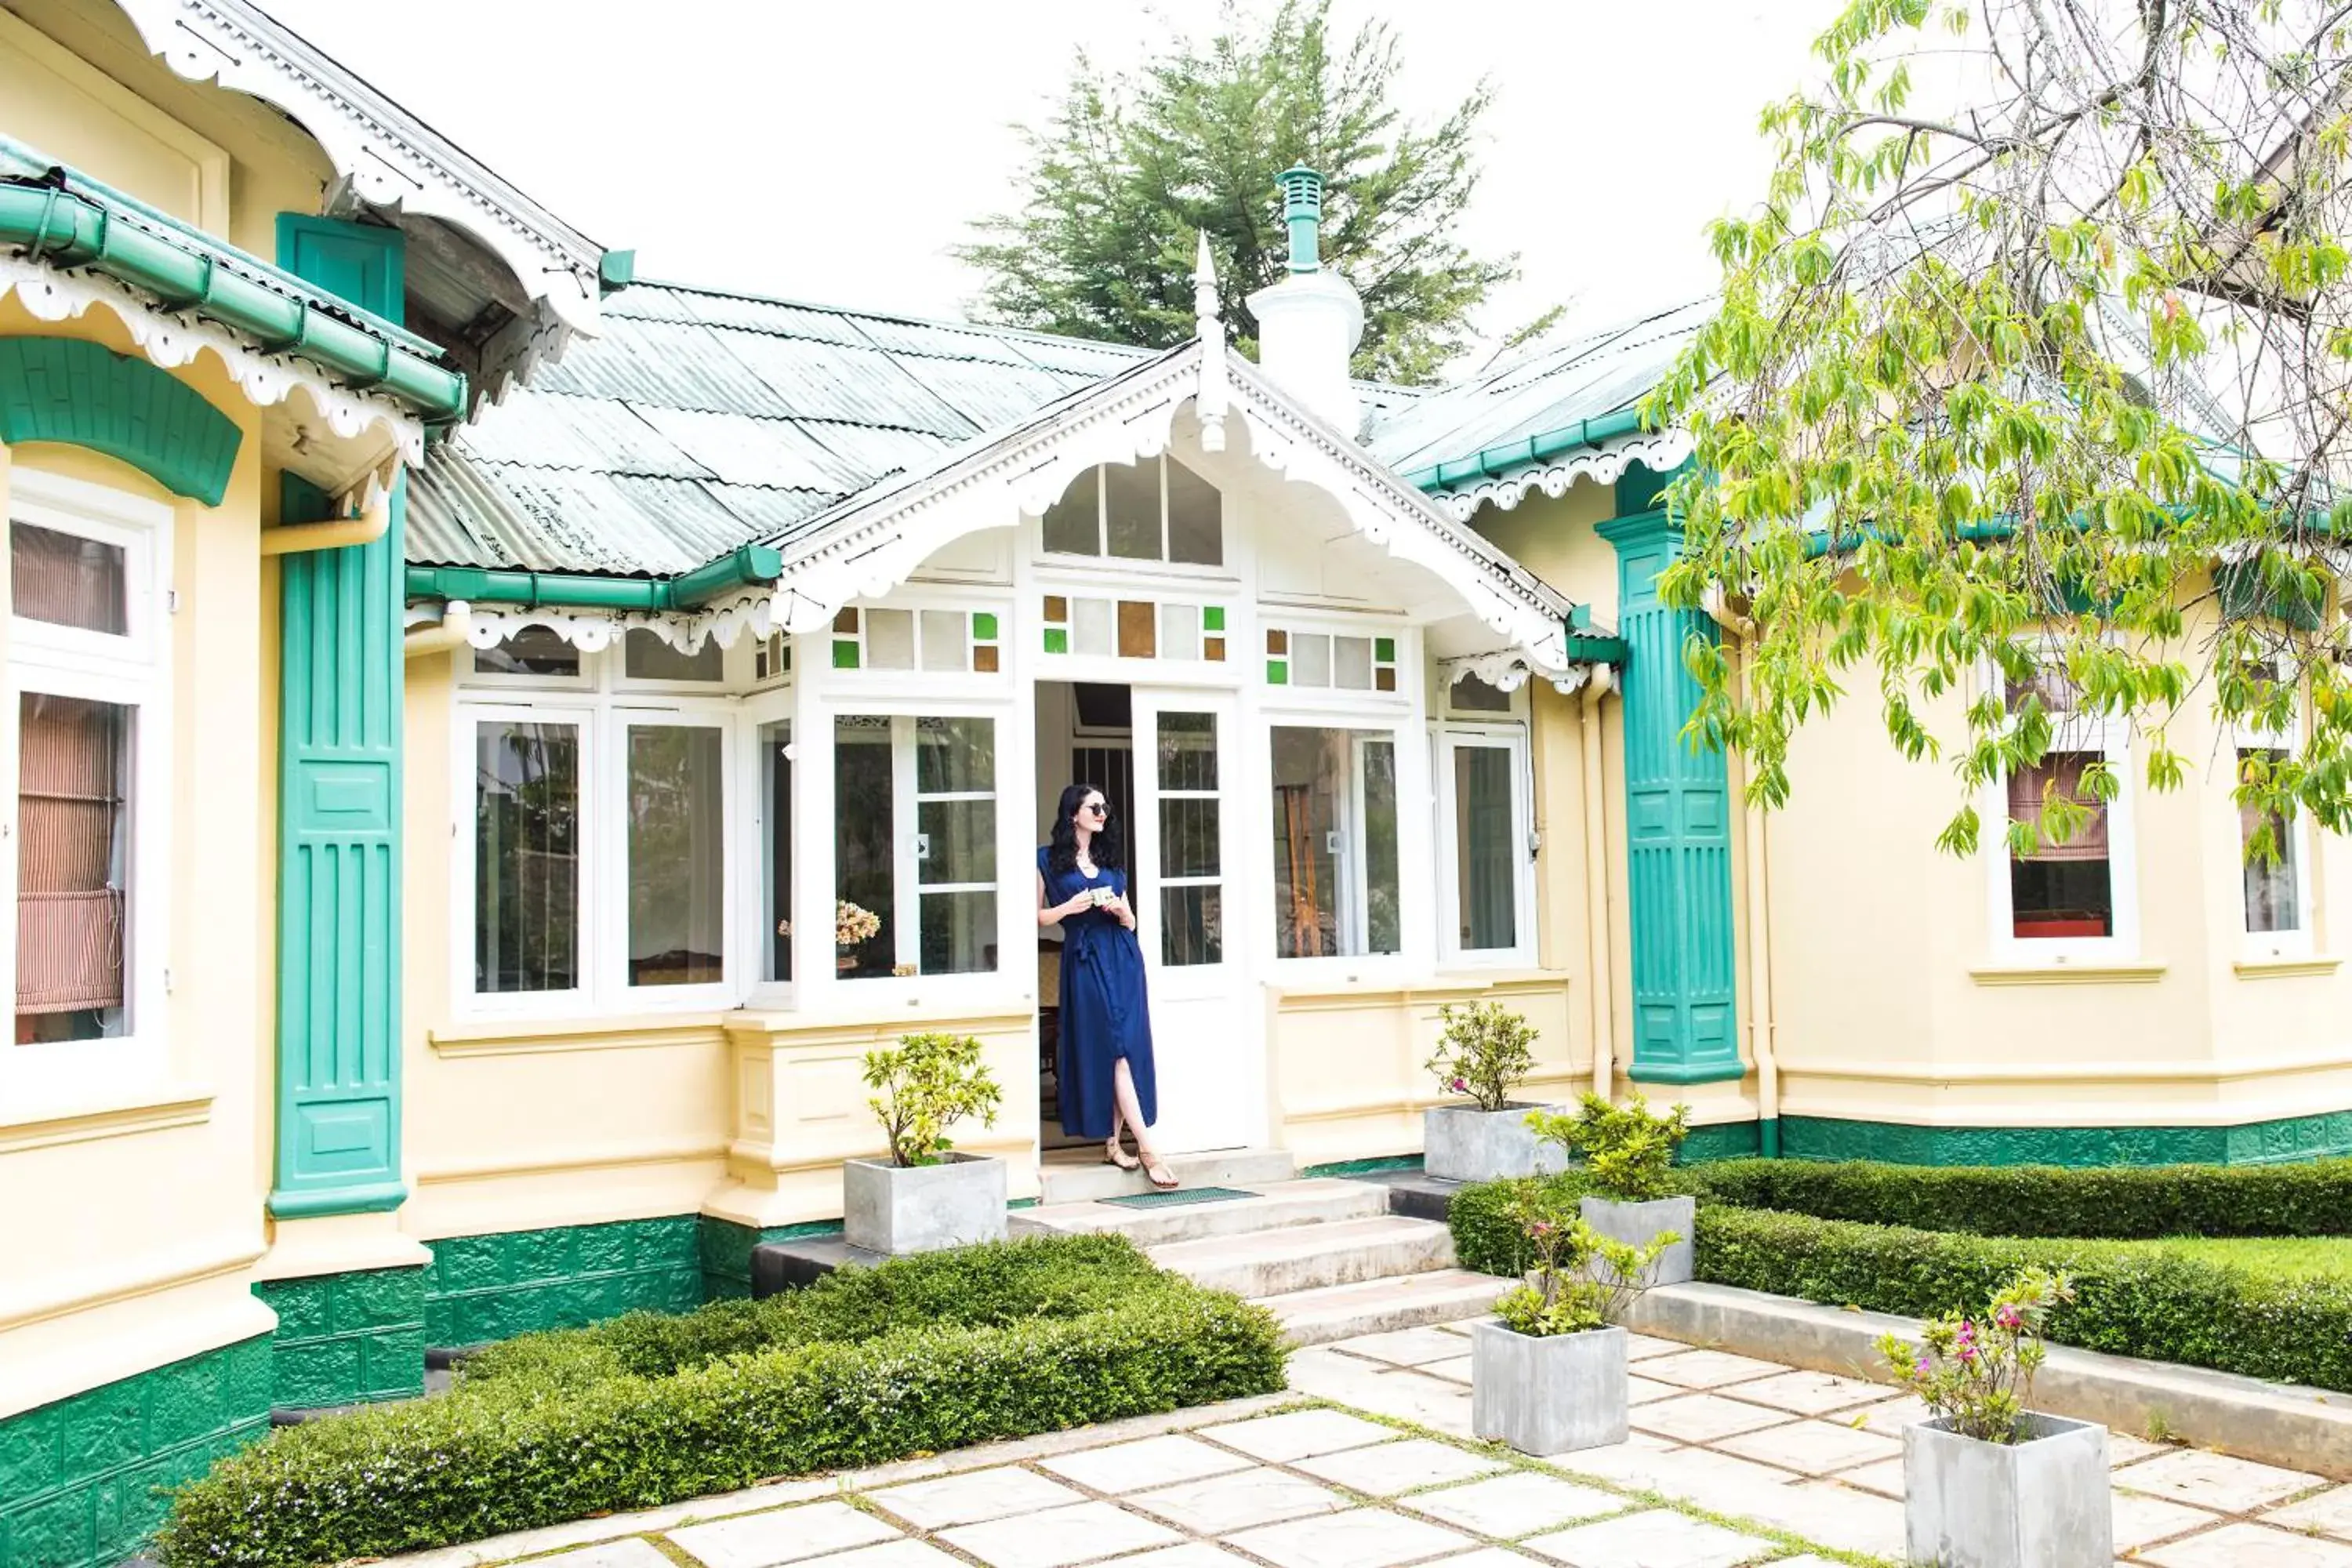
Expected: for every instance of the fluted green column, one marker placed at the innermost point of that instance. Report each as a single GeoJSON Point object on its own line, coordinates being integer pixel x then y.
{"type": "Point", "coordinates": [338, 814]}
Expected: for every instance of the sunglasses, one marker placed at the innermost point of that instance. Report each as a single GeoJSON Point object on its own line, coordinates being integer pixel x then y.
{"type": "Point", "coordinates": [1097, 807]}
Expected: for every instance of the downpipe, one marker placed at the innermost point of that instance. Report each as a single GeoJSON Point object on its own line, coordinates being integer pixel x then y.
{"type": "Point", "coordinates": [1762, 1045]}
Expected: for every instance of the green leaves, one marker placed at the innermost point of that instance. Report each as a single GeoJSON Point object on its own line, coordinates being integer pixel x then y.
{"type": "Point", "coordinates": [2059, 369]}
{"type": "Point", "coordinates": [929, 1083]}
{"type": "Point", "coordinates": [1628, 1149]}
{"type": "Point", "coordinates": [1483, 1051]}
{"type": "Point", "coordinates": [1131, 166]}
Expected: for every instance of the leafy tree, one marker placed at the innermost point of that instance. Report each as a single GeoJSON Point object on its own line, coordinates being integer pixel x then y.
{"type": "Point", "coordinates": [1131, 168]}
{"type": "Point", "coordinates": [2054, 369]}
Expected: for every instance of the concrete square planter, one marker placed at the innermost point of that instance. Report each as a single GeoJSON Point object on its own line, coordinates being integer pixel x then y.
{"type": "Point", "coordinates": [1548, 1396]}
{"type": "Point", "coordinates": [899, 1209]}
{"type": "Point", "coordinates": [2041, 1504]}
{"type": "Point", "coordinates": [1638, 1225]}
{"type": "Point", "coordinates": [1463, 1143]}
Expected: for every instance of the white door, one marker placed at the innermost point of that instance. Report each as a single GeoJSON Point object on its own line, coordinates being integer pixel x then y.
{"type": "Point", "coordinates": [1206, 1030]}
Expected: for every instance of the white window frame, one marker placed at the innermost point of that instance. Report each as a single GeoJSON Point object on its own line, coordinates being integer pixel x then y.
{"type": "Point", "coordinates": [767, 707]}
{"type": "Point", "coordinates": [1512, 739]}
{"type": "Point", "coordinates": [1103, 560]}
{"type": "Point", "coordinates": [467, 675]}
{"type": "Point", "coordinates": [610, 983]}
{"type": "Point", "coordinates": [581, 714]}
{"type": "Point", "coordinates": [1362, 724]}
{"type": "Point", "coordinates": [2110, 736]}
{"type": "Point", "coordinates": [2297, 848]}
{"type": "Point", "coordinates": [619, 679]}
{"type": "Point", "coordinates": [907, 887]}
{"type": "Point", "coordinates": [132, 670]}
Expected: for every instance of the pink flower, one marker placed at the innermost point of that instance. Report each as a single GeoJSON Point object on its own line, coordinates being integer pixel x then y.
{"type": "Point", "coordinates": [1461, 1085]}
{"type": "Point", "coordinates": [2010, 1317]}
{"type": "Point", "coordinates": [1924, 1367]}
{"type": "Point", "coordinates": [1540, 1227]}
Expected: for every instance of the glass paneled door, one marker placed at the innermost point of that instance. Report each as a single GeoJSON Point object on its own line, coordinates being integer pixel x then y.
{"type": "Point", "coordinates": [1206, 1032]}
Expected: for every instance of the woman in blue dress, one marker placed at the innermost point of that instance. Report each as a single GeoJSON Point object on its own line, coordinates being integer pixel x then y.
{"type": "Point", "coordinates": [1104, 1061]}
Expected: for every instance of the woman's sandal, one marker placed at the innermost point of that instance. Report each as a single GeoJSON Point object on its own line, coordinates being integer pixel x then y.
{"type": "Point", "coordinates": [1157, 1171]}
{"type": "Point", "coordinates": [1113, 1154]}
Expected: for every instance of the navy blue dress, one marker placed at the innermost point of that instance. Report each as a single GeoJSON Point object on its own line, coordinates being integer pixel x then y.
{"type": "Point", "coordinates": [1104, 1013]}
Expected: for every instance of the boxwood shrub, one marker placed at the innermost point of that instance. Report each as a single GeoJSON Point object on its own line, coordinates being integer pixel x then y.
{"type": "Point", "coordinates": [2130, 1300]}
{"type": "Point", "coordinates": [2119, 1202]}
{"type": "Point", "coordinates": [916, 1355]}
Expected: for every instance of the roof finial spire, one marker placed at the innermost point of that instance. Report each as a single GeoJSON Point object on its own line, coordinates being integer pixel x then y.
{"type": "Point", "coordinates": [1204, 288]}
{"type": "Point", "coordinates": [1210, 405]}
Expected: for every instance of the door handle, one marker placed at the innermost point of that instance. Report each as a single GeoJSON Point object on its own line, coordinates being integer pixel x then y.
{"type": "Point", "coordinates": [922, 846]}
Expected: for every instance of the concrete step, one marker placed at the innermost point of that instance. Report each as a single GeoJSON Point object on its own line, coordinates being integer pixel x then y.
{"type": "Point", "coordinates": [1376, 1306]}
{"type": "Point", "coordinates": [1278, 1205]}
{"type": "Point", "coordinates": [1302, 1257]}
{"type": "Point", "coordinates": [1087, 1177]}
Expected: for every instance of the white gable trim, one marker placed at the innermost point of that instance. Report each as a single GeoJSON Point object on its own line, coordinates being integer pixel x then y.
{"type": "Point", "coordinates": [872, 546]}
{"type": "Point", "coordinates": [388, 157]}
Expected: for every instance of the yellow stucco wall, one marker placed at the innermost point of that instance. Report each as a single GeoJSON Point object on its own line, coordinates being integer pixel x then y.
{"type": "Point", "coordinates": [150, 1259]}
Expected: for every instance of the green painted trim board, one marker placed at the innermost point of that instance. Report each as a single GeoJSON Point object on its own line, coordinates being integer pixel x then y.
{"type": "Point", "coordinates": [2247, 1143]}
{"type": "Point", "coordinates": [82, 393]}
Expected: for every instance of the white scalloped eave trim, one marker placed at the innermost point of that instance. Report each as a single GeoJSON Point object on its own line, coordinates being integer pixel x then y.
{"type": "Point", "coordinates": [1657, 451]}
{"type": "Point", "coordinates": [591, 630]}
{"type": "Point", "coordinates": [1508, 670]}
{"type": "Point", "coordinates": [171, 341]}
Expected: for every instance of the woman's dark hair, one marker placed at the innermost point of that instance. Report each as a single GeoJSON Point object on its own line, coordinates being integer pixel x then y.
{"type": "Point", "coordinates": [1064, 853]}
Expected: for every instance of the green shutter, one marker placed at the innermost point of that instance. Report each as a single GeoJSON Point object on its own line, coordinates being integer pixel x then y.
{"type": "Point", "coordinates": [338, 812]}
{"type": "Point", "coordinates": [1678, 830]}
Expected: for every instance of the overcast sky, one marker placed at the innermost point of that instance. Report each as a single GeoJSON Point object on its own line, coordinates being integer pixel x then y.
{"type": "Point", "coordinates": [833, 152]}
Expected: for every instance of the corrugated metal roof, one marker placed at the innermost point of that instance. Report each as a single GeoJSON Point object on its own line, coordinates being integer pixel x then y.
{"type": "Point", "coordinates": [1583, 378]}
{"type": "Point", "coordinates": [702, 419]}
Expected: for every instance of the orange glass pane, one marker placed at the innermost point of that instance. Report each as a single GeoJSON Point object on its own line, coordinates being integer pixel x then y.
{"type": "Point", "coordinates": [1384, 679]}
{"type": "Point", "coordinates": [1139, 629]}
{"type": "Point", "coordinates": [1213, 648]}
{"type": "Point", "coordinates": [983, 657]}
{"type": "Point", "coordinates": [1277, 641]}
{"type": "Point", "coordinates": [847, 621]}
{"type": "Point", "coordinates": [1057, 608]}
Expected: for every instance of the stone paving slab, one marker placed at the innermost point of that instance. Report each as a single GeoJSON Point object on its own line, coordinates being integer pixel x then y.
{"type": "Point", "coordinates": [1813, 1469]}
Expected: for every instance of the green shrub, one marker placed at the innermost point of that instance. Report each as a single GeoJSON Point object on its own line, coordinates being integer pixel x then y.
{"type": "Point", "coordinates": [1628, 1151]}
{"type": "Point", "coordinates": [2118, 1203]}
{"type": "Point", "coordinates": [1484, 1051]}
{"type": "Point", "coordinates": [1486, 1218]}
{"type": "Point", "coordinates": [2128, 1300]}
{"type": "Point", "coordinates": [917, 1355]}
{"type": "Point", "coordinates": [929, 1083]}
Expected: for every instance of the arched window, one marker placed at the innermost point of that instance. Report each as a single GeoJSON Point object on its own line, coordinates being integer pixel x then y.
{"type": "Point", "coordinates": [1157, 509]}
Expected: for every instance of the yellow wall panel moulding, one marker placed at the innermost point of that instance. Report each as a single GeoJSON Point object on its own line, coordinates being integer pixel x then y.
{"type": "Point", "coordinates": [2143, 973]}
{"type": "Point", "coordinates": [518, 1038]}
{"type": "Point", "coordinates": [338, 1243]}
{"type": "Point", "coordinates": [2284, 968]}
{"type": "Point", "coordinates": [600, 1157]}
{"type": "Point", "coordinates": [864, 1031]}
{"type": "Point", "coordinates": [173, 1105]}
{"type": "Point", "coordinates": [2331, 1060]}
{"type": "Point", "coordinates": [118, 1279]}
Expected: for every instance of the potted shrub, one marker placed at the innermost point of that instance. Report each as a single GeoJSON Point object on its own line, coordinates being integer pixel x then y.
{"type": "Point", "coordinates": [1549, 1375]}
{"type": "Point", "coordinates": [925, 1195]}
{"type": "Point", "coordinates": [1483, 1053]}
{"type": "Point", "coordinates": [852, 924]}
{"type": "Point", "coordinates": [1629, 1152]}
{"type": "Point", "coordinates": [1989, 1483]}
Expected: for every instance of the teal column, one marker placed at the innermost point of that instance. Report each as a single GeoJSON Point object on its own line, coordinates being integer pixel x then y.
{"type": "Point", "coordinates": [338, 812]}
{"type": "Point", "coordinates": [1678, 830]}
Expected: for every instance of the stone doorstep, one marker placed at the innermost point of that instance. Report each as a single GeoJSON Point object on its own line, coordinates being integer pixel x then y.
{"type": "Point", "coordinates": [2286, 1425]}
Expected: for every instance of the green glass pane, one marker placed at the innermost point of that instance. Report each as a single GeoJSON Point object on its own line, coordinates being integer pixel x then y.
{"type": "Point", "coordinates": [845, 655]}
{"type": "Point", "coordinates": [1384, 649]}
{"type": "Point", "coordinates": [1058, 639]}
{"type": "Point", "coordinates": [1277, 672]}
{"type": "Point", "coordinates": [1212, 617]}
{"type": "Point", "coordinates": [983, 627]}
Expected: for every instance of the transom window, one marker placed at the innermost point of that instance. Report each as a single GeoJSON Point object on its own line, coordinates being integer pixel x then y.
{"type": "Point", "coordinates": [1154, 509]}
{"type": "Point", "coordinates": [2274, 876]}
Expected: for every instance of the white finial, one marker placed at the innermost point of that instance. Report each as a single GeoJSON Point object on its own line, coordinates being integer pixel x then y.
{"type": "Point", "coordinates": [1210, 404]}
{"type": "Point", "coordinates": [1204, 288]}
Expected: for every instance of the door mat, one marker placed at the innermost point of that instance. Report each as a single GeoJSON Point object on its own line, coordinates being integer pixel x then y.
{"type": "Point", "coordinates": [1177, 1196]}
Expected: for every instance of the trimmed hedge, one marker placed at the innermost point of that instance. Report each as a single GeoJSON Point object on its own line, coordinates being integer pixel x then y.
{"type": "Point", "coordinates": [1486, 1239]}
{"type": "Point", "coordinates": [916, 1355]}
{"type": "Point", "coordinates": [2130, 1300]}
{"type": "Point", "coordinates": [2118, 1202]}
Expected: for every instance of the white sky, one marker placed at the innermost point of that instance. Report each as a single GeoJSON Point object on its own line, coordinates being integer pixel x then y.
{"type": "Point", "coordinates": [833, 153]}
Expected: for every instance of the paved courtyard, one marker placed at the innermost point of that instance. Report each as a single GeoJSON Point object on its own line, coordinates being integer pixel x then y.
{"type": "Point", "coordinates": [1732, 1461]}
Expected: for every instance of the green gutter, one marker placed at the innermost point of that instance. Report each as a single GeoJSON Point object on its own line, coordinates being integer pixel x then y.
{"type": "Point", "coordinates": [752, 564]}
{"type": "Point", "coordinates": [1534, 450]}
{"type": "Point", "coordinates": [47, 222]}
